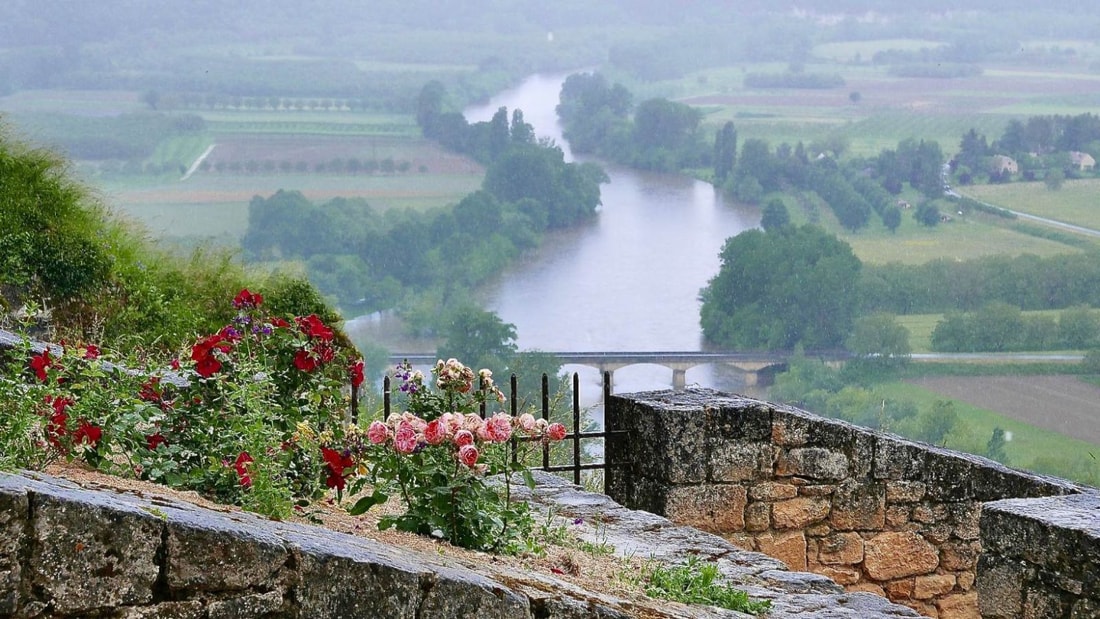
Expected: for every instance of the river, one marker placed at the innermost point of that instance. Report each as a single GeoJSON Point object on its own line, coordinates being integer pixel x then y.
{"type": "Point", "coordinates": [630, 280]}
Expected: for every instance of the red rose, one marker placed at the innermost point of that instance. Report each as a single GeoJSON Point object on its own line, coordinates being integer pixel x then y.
{"type": "Point", "coordinates": [39, 363]}
{"type": "Point", "coordinates": [87, 433]}
{"type": "Point", "coordinates": [305, 361]}
{"type": "Point", "coordinates": [155, 440]}
{"type": "Point", "coordinates": [247, 299]}
{"type": "Point", "coordinates": [356, 372]}
{"type": "Point", "coordinates": [241, 466]}
{"type": "Point", "coordinates": [313, 327]}
{"type": "Point", "coordinates": [336, 463]}
{"type": "Point", "coordinates": [91, 352]}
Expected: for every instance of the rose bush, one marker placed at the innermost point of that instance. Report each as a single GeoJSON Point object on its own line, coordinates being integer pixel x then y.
{"type": "Point", "coordinates": [442, 459]}
{"type": "Point", "coordinates": [223, 421]}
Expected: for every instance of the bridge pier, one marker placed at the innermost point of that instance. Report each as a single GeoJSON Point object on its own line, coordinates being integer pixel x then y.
{"type": "Point", "coordinates": [679, 379]}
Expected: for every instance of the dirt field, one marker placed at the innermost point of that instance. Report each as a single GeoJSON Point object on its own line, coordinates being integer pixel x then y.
{"type": "Point", "coordinates": [422, 155]}
{"type": "Point", "coordinates": [1062, 404]}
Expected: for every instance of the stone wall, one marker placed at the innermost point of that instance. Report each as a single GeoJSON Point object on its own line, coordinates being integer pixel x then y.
{"type": "Point", "coordinates": [870, 510]}
{"type": "Point", "coordinates": [69, 552]}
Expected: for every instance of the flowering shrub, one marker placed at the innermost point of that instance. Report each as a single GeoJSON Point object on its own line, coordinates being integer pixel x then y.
{"type": "Point", "coordinates": [229, 430]}
{"type": "Point", "coordinates": [438, 459]}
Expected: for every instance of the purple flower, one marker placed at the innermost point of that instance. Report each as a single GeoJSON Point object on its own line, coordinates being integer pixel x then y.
{"type": "Point", "coordinates": [578, 521]}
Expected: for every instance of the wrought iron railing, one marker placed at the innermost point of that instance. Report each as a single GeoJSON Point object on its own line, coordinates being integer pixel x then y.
{"type": "Point", "coordinates": [579, 460]}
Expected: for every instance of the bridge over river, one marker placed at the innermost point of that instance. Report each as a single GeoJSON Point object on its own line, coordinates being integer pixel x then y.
{"type": "Point", "coordinates": [753, 364]}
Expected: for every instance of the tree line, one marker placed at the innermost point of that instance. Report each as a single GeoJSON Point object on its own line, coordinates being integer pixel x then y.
{"type": "Point", "coordinates": [657, 134]}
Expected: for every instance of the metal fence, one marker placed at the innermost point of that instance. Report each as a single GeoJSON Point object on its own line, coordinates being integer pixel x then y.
{"type": "Point", "coordinates": [579, 461]}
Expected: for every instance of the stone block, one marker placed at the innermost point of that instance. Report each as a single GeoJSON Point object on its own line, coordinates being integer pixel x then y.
{"type": "Point", "coordinates": [209, 551]}
{"type": "Point", "coordinates": [684, 453]}
{"type": "Point", "coordinates": [815, 489]}
{"type": "Point", "coordinates": [758, 517]}
{"type": "Point", "coordinates": [815, 463]}
{"type": "Point", "coordinates": [789, 547]}
{"type": "Point", "coordinates": [959, 606]}
{"type": "Point", "coordinates": [1000, 590]}
{"type": "Point", "coordinates": [840, 549]}
{"type": "Point", "coordinates": [1042, 603]}
{"type": "Point", "coordinates": [899, 459]}
{"type": "Point", "coordinates": [932, 585]}
{"type": "Point", "coordinates": [903, 491]}
{"type": "Point", "coordinates": [741, 420]}
{"type": "Point", "coordinates": [14, 527]}
{"type": "Point", "coordinates": [891, 555]}
{"type": "Point", "coordinates": [859, 507]}
{"type": "Point", "coordinates": [355, 580]}
{"type": "Point", "coordinates": [901, 589]}
{"type": "Point", "coordinates": [738, 462]}
{"type": "Point", "coordinates": [965, 519]}
{"type": "Point", "coordinates": [790, 428]}
{"type": "Point", "coordinates": [842, 575]}
{"type": "Point", "coordinates": [960, 555]}
{"type": "Point", "coordinates": [948, 476]}
{"type": "Point", "coordinates": [799, 512]}
{"type": "Point", "coordinates": [711, 507]}
{"type": "Point", "coordinates": [896, 516]}
{"type": "Point", "coordinates": [772, 491]}
{"type": "Point", "coordinates": [90, 551]}
{"type": "Point", "coordinates": [964, 581]}
{"type": "Point", "coordinates": [929, 513]}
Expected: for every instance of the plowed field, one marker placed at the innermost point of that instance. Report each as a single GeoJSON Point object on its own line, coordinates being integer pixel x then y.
{"type": "Point", "coordinates": [1062, 404]}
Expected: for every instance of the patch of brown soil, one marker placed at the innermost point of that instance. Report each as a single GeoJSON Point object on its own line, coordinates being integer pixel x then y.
{"type": "Point", "coordinates": [1063, 404]}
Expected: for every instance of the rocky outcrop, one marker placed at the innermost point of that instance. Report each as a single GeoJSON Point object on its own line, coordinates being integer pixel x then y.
{"type": "Point", "coordinates": [66, 551]}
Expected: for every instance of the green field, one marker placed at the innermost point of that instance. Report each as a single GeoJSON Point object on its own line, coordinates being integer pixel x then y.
{"type": "Point", "coordinates": [863, 51]}
{"type": "Point", "coordinates": [1077, 202]}
{"type": "Point", "coordinates": [216, 205]}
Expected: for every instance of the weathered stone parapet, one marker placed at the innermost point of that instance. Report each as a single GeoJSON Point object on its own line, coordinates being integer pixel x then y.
{"type": "Point", "coordinates": [70, 552]}
{"type": "Point", "coordinates": [1041, 557]}
{"type": "Point", "coordinates": [872, 511]}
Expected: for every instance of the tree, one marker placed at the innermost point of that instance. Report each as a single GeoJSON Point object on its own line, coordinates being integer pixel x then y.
{"type": "Point", "coordinates": [927, 214]}
{"type": "Point", "coordinates": [725, 152]}
{"type": "Point", "coordinates": [891, 217]}
{"type": "Point", "coordinates": [878, 338]}
{"type": "Point", "coordinates": [1079, 327]}
{"type": "Point", "coordinates": [775, 215]}
{"type": "Point", "coordinates": [934, 426]}
{"type": "Point", "coordinates": [478, 338]}
{"type": "Point", "coordinates": [522, 132]}
{"type": "Point", "coordinates": [995, 448]}
{"type": "Point", "coordinates": [855, 97]}
{"type": "Point", "coordinates": [1054, 179]}
{"type": "Point", "coordinates": [151, 98]}
{"type": "Point", "coordinates": [776, 290]}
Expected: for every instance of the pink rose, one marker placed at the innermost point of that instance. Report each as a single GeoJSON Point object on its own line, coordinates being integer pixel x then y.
{"type": "Point", "coordinates": [555, 431]}
{"type": "Point", "coordinates": [464, 438]}
{"type": "Point", "coordinates": [378, 433]}
{"type": "Point", "coordinates": [404, 441]}
{"type": "Point", "coordinates": [435, 432]}
{"type": "Point", "coordinates": [527, 423]}
{"type": "Point", "coordinates": [467, 454]}
{"type": "Point", "coordinates": [499, 428]}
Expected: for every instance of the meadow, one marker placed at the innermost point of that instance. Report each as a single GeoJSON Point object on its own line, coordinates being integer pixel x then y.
{"type": "Point", "coordinates": [1077, 202]}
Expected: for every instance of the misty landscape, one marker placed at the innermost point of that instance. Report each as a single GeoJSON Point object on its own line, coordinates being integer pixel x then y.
{"type": "Point", "coordinates": [901, 203]}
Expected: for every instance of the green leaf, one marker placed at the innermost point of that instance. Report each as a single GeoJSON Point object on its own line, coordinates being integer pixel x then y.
{"type": "Point", "coordinates": [362, 505]}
